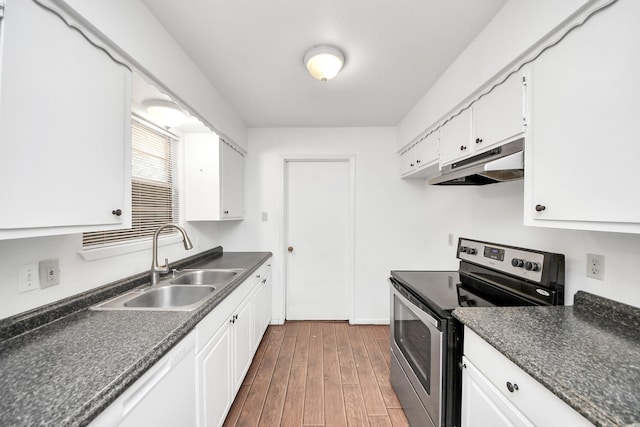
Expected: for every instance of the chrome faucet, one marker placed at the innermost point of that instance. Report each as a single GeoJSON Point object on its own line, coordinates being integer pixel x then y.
{"type": "Point", "coordinates": [157, 269]}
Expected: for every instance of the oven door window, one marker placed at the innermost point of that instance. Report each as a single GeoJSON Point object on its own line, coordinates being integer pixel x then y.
{"type": "Point", "coordinates": [413, 337]}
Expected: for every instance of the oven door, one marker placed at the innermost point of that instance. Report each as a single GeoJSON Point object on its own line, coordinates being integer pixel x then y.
{"type": "Point", "coordinates": [416, 346]}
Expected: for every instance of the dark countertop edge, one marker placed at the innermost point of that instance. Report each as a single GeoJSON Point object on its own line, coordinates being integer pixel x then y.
{"type": "Point", "coordinates": [55, 311]}
{"type": "Point", "coordinates": [21, 323]}
{"type": "Point", "coordinates": [582, 304]}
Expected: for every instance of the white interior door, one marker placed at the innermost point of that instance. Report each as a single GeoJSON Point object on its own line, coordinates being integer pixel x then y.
{"type": "Point", "coordinates": [317, 239]}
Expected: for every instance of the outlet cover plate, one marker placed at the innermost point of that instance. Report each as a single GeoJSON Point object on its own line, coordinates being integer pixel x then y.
{"type": "Point", "coordinates": [49, 273]}
{"type": "Point", "coordinates": [595, 266]}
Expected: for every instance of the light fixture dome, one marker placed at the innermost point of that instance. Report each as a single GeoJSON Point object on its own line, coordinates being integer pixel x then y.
{"type": "Point", "coordinates": [166, 113]}
{"type": "Point", "coordinates": [324, 62]}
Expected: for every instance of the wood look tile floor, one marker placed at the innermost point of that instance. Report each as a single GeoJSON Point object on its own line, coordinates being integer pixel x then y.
{"type": "Point", "coordinates": [319, 374]}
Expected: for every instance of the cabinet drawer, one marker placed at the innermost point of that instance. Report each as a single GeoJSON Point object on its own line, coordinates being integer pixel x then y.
{"type": "Point", "coordinates": [539, 404]}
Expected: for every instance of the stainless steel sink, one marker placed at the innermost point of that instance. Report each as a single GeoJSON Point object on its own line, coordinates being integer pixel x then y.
{"type": "Point", "coordinates": [205, 277]}
{"type": "Point", "coordinates": [188, 290]}
{"type": "Point", "coordinates": [175, 296]}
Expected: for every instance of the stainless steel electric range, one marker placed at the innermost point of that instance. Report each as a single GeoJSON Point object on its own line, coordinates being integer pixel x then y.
{"type": "Point", "coordinates": [426, 341]}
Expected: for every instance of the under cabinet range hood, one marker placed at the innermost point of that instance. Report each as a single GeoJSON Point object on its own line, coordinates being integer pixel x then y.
{"type": "Point", "coordinates": [504, 163]}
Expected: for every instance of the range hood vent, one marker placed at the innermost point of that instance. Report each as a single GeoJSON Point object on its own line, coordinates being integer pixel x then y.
{"type": "Point", "coordinates": [504, 163]}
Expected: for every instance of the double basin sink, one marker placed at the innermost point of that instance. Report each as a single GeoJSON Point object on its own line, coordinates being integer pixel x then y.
{"type": "Point", "coordinates": [185, 291]}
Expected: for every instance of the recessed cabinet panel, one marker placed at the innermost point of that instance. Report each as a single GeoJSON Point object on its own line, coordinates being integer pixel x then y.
{"type": "Point", "coordinates": [499, 115]}
{"type": "Point", "coordinates": [455, 138]}
{"type": "Point", "coordinates": [582, 154]}
{"type": "Point", "coordinates": [65, 130]}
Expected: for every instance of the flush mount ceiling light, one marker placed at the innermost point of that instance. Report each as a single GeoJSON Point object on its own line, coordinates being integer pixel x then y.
{"type": "Point", "coordinates": [324, 62]}
{"type": "Point", "coordinates": [166, 113]}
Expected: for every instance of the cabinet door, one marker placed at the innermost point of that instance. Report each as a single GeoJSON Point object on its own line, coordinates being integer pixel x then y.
{"type": "Point", "coordinates": [427, 152]}
{"type": "Point", "coordinates": [214, 371]}
{"type": "Point", "coordinates": [262, 308]}
{"type": "Point", "coordinates": [202, 177]}
{"type": "Point", "coordinates": [499, 115]}
{"type": "Point", "coordinates": [455, 138]}
{"type": "Point", "coordinates": [582, 154]}
{"type": "Point", "coordinates": [483, 405]}
{"type": "Point", "coordinates": [65, 130]}
{"type": "Point", "coordinates": [232, 183]}
{"type": "Point", "coordinates": [407, 160]}
{"type": "Point", "coordinates": [242, 341]}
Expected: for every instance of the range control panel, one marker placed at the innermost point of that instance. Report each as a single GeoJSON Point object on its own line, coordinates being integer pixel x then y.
{"type": "Point", "coordinates": [525, 263]}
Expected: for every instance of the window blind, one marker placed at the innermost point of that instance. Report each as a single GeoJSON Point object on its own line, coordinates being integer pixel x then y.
{"type": "Point", "coordinates": [154, 192]}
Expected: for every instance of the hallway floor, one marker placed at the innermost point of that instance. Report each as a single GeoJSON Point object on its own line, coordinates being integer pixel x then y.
{"type": "Point", "coordinates": [312, 373]}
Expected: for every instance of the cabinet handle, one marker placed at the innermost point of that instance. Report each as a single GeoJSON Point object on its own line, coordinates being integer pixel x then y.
{"type": "Point", "coordinates": [411, 164]}
{"type": "Point", "coordinates": [478, 140]}
{"type": "Point", "coordinates": [540, 208]}
{"type": "Point", "coordinates": [512, 387]}
{"type": "Point", "coordinates": [417, 162]}
{"type": "Point", "coordinates": [226, 212]}
{"type": "Point", "coordinates": [462, 148]}
{"type": "Point", "coordinates": [264, 281]}
{"type": "Point", "coordinates": [258, 276]}
{"type": "Point", "coordinates": [116, 212]}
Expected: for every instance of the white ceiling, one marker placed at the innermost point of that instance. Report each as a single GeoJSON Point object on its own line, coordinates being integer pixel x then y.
{"type": "Point", "coordinates": [252, 50]}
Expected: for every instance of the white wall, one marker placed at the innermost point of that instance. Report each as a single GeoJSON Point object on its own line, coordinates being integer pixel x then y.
{"type": "Point", "coordinates": [517, 27]}
{"type": "Point", "coordinates": [495, 213]}
{"type": "Point", "coordinates": [389, 225]}
{"type": "Point", "coordinates": [130, 26]}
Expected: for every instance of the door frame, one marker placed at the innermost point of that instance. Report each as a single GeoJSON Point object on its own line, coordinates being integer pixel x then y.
{"type": "Point", "coordinates": [350, 261]}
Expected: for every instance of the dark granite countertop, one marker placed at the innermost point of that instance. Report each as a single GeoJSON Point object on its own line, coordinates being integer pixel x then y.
{"type": "Point", "coordinates": [588, 354]}
{"type": "Point", "coordinates": [63, 364]}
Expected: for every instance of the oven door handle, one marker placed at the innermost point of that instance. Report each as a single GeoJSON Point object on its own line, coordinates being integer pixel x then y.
{"type": "Point", "coordinates": [426, 317]}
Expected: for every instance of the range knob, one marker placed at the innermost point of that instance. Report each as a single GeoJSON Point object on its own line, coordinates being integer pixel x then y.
{"type": "Point", "coordinates": [472, 251]}
{"type": "Point", "coordinates": [517, 262]}
{"type": "Point", "coordinates": [531, 266]}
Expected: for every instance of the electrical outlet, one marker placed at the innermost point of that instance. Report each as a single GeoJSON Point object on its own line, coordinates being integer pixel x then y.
{"type": "Point", "coordinates": [450, 239]}
{"type": "Point", "coordinates": [28, 279]}
{"type": "Point", "coordinates": [49, 273]}
{"type": "Point", "coordinates": [595, 266]}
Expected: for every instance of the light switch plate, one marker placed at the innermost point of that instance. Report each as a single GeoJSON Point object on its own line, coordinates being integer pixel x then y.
{"type": "Point", "coordinates": [28, 277]}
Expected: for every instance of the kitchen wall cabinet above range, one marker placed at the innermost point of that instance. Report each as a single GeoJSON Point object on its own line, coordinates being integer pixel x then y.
{"type": "Point", "coordinates": [65, 128]}
{"type": "Point", "coordinates": [214, 179]}
{"type": "Point", "coordinates": [496, 118]}
{"type": "Point", "coordinates": [421, 159]}
{"type": "Point", "coordinates": [582, 147]}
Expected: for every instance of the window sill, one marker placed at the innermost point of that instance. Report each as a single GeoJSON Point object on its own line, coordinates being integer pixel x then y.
{"type": "Point", "coordinates": [94, 254]}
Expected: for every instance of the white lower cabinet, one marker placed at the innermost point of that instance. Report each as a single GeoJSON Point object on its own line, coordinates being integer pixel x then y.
{"type": "Point", "coordinates": [242, 336]}
{"type": "Point", "coordinates": [225, 348]}
{"type": "Point", "coordinates": [496, 392]}
{"type": "Point", "coordinates": [261, 308]}
{"type": "Point", "coordinates": [214, 367]}
{"type": "Point", "coordinates": [163, 396]}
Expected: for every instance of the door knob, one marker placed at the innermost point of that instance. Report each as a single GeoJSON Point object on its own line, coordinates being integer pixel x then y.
{"type": "Point", "coordinates": [290, 248]}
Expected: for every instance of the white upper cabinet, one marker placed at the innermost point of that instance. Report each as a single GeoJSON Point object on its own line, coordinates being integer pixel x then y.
{"type": "Point", "coordinates": [214, 179]}
{"type": "Point", "coordinates": [499, 115]}
{"type": "Point", "coordinates": [65, 128]}
{"type": "Point", "coordinates": [494, 119]}
{"type": "Point", "coordinates": [419, 160]}
{"type": "Point", "coordinates": [455, 138]}
{"type": "Point", "coordinates": [582, 145]}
